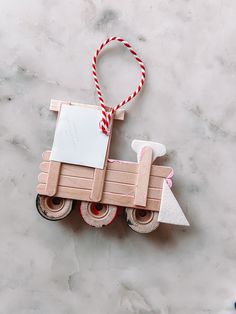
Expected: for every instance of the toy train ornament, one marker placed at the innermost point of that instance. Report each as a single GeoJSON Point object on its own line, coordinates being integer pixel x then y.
{"type": "Point", "coordinates": [141, 188]}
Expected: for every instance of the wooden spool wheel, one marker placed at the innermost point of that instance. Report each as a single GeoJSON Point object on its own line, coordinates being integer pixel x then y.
{"type": "Point", "coordinates": [96, 214]}
{"type": "Point", "coordinates": [53, 208]}
{"type": "Point", "coordinates": [141, 220]}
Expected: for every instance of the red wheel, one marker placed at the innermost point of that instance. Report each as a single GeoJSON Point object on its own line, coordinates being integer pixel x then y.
{"type": "Point", "coordinates": [140, 220]}
{"type": "Point", "coordinates": [97, 215]}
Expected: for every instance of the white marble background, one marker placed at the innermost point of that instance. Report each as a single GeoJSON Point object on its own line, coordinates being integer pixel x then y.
{"type": "Point", "coordinates": [188, 103]}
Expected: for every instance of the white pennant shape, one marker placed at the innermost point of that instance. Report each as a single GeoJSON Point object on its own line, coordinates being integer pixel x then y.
{"type": "Point", "coordinates": [170, 211]}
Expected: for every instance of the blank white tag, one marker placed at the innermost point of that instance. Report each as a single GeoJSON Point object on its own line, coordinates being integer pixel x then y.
{"type": "Point", "coordinates": [78, 139]}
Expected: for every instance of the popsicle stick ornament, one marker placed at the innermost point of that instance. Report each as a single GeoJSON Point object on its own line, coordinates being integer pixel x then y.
{"type": "Point", "coordinates": [78, 168]}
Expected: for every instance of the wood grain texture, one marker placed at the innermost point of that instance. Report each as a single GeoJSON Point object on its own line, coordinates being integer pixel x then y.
{"type": "Point", "coordinates": [97, 185]}
{"type": "Point", "coordinates": [70, 170]}
{"type": "Point", "coordinates": [113, 187]}
{"type": "Point", "coordinates": [55, 105]}
{"type": "Point", "coordinates": [53, 177]}
{"type": "Point", "coordinates": [126, 166]}
{"type": "Point", "coordinates": [99, 174]}
{"type": "Point", "coordinates": [107, 198]}
{"type": "Point", "coordinates": [143, 177]}
{"type": "Point", "coordinates": [111, 175]}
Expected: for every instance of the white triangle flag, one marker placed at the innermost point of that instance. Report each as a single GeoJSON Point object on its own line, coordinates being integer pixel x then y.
{"type": "Point", "coordinates": [170, 211]}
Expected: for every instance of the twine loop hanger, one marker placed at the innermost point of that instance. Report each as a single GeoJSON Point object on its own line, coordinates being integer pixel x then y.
{"type": "Point", "coordinates": [107, 115]}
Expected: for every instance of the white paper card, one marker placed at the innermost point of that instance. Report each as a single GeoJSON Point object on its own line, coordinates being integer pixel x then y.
{"type": "Point", "coordinates": [78, 139]}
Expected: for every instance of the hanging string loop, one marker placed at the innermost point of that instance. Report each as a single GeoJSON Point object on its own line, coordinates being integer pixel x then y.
{"type": "Point", "coordinates": [107, 115]}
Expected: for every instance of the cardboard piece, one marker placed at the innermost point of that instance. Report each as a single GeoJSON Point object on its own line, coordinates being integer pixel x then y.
{"type": "Point", "coordinates": [170, 211]}
{"type": "Point", "coordinates": [78, 139]}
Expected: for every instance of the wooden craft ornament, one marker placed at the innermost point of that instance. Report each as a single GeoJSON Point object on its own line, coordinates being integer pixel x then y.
{"type": "Point", "coordinates": [141, 188]}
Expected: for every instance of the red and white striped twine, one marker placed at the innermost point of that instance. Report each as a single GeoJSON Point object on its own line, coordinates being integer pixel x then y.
{"type": "Point", "coordinates": [107, 115]}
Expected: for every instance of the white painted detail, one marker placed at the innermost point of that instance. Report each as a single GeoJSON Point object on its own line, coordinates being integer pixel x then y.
{"type": "Point", "coordinates": [78, 139]}
{"type": "Point", "coordinates": [170, 211]}
{"type": "Point", "coordinates": [158, 149]}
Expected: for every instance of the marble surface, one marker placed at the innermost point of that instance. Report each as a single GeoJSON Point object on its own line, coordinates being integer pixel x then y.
{"type": "Point", "coordinates": [188, 104]}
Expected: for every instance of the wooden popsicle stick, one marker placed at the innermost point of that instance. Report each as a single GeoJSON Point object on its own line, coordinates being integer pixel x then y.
{"type": "Point", "coordinates": [158, 171]}
{"type": "Point", "coordinates": [97, 186]}
{"type": "Point", "coordinates": [132, 167]}
{"type": "Point", "coordinates": [113, 187]}
{"type": "Point", "coordinates": [99, 174]}
{"type": "Point", "coordinates": [53, 178]}
{"type": "Point", "coordinates": [66, 192]}
{"type": "Point", "coordinates": [70, 170]}
{"type": "Point", "coordinates": [121, 177]}
{"type": "Point", "coordinates": [55, 105]}
{"type": "Point", "coordinates": [81, 183]}
{"type": "Point", "coordinates": [54, 171]}
{"type": "Point", "coordinates": [126, 189]}
{"type": "Point", "coordinates": [46, 155]}
{"type": "Point", "coordinates": [108, 198]}
{"type": "Point", "coordinates": [161, 171]}
{"type": "Point", "coordinates": [112, 176]}
{"type": "Point", "coordinates": [145, 164]}
{"type": "Point", "coordinates": [128, 201]}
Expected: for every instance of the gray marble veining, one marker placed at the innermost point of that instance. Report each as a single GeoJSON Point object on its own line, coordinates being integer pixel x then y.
{"type": "Point", "coordinates": [188, 104]}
